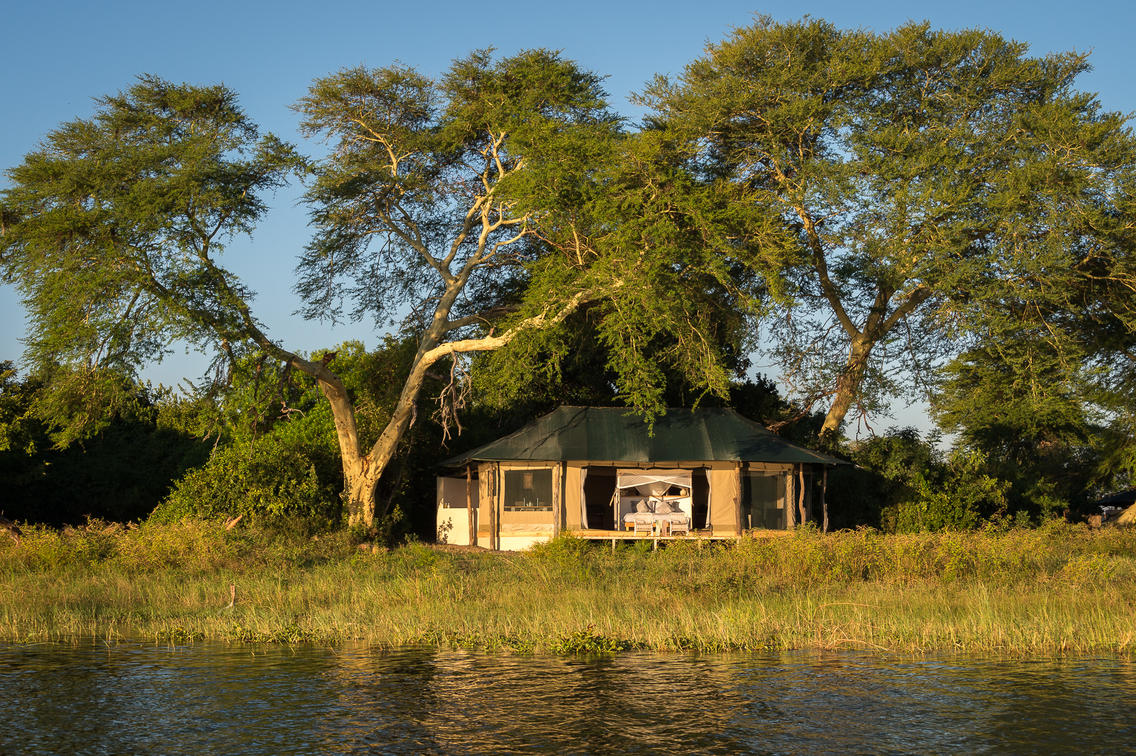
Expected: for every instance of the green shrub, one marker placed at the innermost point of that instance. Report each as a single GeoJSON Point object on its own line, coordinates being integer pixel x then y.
{"type": "Point", "coordinates": [266, 481]}
{"type": "Point", "coordinates": [959, 497]}
{"type": "Point", "coordinates": [910, 486]}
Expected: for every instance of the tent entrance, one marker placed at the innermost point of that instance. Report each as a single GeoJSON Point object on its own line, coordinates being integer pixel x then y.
{"type": "Point", "coordinates": [599, 488]}
{"type": "Point", "coordinates": [661, 498]}
{"type": "Point", "coordinates": [700, 492]}
{"type": "Point", "coordinates": [610, 493]}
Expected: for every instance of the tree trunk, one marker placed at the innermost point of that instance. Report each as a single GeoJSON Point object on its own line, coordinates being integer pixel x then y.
{"type": "Point", "coordinates": [824, 500]}
{"type": "Point", "coordinates": [359, 491]}
{"type": "Point", "coordinates": [359, 475]}
{"type": "Point", "coordinates": [470, 513]}
{"type": "Point", "coordinates": [847, 387]}
{"type": "Point", "coordinates": [361, 472]}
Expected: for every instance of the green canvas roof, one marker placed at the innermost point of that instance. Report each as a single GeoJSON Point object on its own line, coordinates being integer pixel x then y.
{"type": "Point", "coordinates": [614, 434]}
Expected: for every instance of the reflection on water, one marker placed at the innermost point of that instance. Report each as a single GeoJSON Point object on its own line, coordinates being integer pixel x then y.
{"type": "Point", "coordinates": [233, 699]}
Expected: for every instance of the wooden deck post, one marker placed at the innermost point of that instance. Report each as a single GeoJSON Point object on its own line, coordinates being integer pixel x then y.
{"type": "Point", "coordinates": [493, 485]}
{"type": "Point", "coordinates": [470, 514]}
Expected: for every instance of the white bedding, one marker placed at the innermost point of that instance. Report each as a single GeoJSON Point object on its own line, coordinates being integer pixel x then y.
{"type": "Point", "coordinates": [674, 512]}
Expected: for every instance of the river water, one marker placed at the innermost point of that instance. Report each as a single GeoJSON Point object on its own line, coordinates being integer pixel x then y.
{"type": "Point", "coordinates": [232, 699]}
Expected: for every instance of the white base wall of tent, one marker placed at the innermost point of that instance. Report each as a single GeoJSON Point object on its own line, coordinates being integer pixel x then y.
{"type": "Point", "coordinates": [453, 525]}
{"type": "Point", "coordinates": [453, 514]}
{"type": "Point", "coordinates": [520, 543]}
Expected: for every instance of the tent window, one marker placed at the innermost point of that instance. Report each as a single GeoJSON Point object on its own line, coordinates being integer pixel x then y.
{"type": "Point", "coordinates": [528, 490]}
{"type": "Point", "coordinates": [763, 501]}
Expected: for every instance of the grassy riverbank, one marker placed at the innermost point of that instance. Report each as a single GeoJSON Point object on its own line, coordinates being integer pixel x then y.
{"type": "Point", "coordinates": [1052, 590]}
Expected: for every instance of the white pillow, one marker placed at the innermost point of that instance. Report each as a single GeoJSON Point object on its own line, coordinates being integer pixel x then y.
{"type": "Point", "coordinates": [641, 507]}
{"type": "Point", "coordinates": [662, 507]}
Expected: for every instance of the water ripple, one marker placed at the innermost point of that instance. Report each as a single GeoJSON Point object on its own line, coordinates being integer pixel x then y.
{"type": "Point", "coordinates": [210, 698]}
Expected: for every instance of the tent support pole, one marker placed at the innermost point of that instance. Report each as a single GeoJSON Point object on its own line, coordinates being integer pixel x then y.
{"type": "Point", "coordinates": [801, 494]}
{"type": "Point", "coordinates": [495, 485]}
{"type": "Point", "coordinates": [472, 540]}
{"type": "Point", "coordinates": [790, 499]}
{"type": "Point", "coordinates": [824, 499]}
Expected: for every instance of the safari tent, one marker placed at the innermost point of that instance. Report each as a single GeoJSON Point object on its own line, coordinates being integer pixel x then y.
{"type": "Point", "coordinates": [600, 472]}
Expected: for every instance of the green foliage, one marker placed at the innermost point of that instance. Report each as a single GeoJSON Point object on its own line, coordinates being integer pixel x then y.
{"type": "Point", "coordinates": [20, 430]}
{"type": "Point", "coordinates": [896, 194]}
{"type": "Point", "coordinates": [117, 472]}
{"type": "Point", "coordinates": [267, 480]}
{"type": "Point", "coordinates": [416, 163]}
{"type": "Point", "coordinates": [115, 223]}
{"type": "Point", "coordinates": [565, 555]}
{"type": "Point", "coordinates": [953, 496]}
{"type": "Point", "coordinates": [759, 399]}
{"type": "Point", "coordinates": [1013, 398]}
{"type": "Point", "coordinates": [190, 547]}
{"type": "Point", "coordinates": [627, 227]}
{"type": "Point", "coordinates": [589, 642]}
{"type": "Point", "coordinates": [1027, 409]}
{"type": "Point", "coordinates": [906, 484]}
{"type": "Point", "coordinates": [470, 198]}
{"type": "Point", "coordinates": [577, 218]}
{"type": "Point", "coordinates": [276, 458]}
{"type": "Point", "coordinates": [906, 187]}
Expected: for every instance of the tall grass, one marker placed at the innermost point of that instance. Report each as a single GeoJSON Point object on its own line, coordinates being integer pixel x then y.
{"type": "Point", "coordinates": [1049, 590]}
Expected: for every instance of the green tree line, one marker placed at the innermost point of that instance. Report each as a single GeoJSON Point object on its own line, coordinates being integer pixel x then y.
{"type": "Point", "coordinates": [909, 214]}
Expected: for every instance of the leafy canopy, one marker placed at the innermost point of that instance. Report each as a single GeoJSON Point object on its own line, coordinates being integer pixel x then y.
{"type": "Point", "coordinates": [913, 184]}
{"type": "Point", "coordinates": [411, 202]}
{"type": "Point", "coordinates": [114, 226]}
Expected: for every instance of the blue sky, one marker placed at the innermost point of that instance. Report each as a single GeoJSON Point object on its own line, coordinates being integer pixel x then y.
{"type": "Point", "coordinates": [56, 56]}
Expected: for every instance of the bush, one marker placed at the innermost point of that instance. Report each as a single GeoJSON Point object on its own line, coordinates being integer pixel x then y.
{"type": "Point", "coordinates": [903, 483]}
{"type": "Point", "coordinates": [959, 496]}
{"type": "Point", "coordinates": [267, 481]}
{"type": "Point", "coordinates": [118, 469]}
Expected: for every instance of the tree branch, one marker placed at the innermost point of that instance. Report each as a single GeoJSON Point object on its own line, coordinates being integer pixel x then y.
{"type": "Point", "coordinates": [820, 265]}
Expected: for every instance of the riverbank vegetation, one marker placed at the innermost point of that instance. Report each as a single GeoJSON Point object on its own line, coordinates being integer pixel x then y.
{"type": "Point", "coordinates": [1056, 589]}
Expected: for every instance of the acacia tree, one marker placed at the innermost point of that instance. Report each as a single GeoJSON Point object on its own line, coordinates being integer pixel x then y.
{"type": "Point", "coordinates": [412, 211]}
{"type": "Point", "coordinates": [1025, 408]}
{"type": "Point", "coordinates": [910, 182]}
{"type": "Point", "coordinates": [114, 227]}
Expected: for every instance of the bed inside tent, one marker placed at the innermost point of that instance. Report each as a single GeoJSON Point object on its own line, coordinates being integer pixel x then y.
{"type": "Point", "coordinates": [657, 501]}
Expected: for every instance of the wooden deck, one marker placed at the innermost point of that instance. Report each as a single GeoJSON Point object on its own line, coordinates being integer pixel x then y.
{"type": "Point", "coordinates": [694, 535]}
